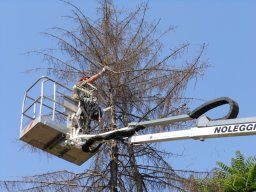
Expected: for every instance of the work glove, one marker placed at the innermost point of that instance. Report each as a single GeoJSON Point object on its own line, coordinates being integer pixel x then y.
{"type": "Point", "coordinates": [105, 68]}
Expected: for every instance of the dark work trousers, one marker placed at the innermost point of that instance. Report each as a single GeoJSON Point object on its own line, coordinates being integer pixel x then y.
{"type": "Point", "coordinates": [90, 111]}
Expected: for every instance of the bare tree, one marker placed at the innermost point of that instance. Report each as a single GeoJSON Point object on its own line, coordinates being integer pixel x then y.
{"type": "Point", "coordinates": [141, 85]}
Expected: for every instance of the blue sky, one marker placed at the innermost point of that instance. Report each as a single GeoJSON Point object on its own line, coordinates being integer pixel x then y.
{"type": "Point", "coordinates": [227, 27]}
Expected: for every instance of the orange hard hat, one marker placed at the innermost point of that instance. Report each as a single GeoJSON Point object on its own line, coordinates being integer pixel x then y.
{"type": "Point", "coordinates": [83, 78]}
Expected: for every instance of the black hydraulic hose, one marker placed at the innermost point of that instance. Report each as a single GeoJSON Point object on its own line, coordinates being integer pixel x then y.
{"type": "Point", "coordinates": [112, 135]}
{"type": "Point", "coordinates": [196, 113]}
{"type": "Point", "coordinates": [233, 108]}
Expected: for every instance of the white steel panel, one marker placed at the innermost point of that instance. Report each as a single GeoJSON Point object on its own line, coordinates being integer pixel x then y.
{"type": "Point", "coordinates": [49, 136]}
{"type": "Point", "coordinates": [231, 130]}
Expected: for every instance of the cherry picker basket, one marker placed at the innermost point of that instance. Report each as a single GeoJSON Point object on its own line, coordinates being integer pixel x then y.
{"type": "Point", "coordinates": [44, 120]}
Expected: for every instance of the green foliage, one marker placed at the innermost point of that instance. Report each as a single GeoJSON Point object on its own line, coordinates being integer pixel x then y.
{"type": "Point", "coordinates": [240, 176]}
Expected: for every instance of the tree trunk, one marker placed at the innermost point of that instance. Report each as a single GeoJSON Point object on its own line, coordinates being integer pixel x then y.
{"type": "Point", "coordinates": [113, 150]}
{"type": "Point", "coordinates": [113, 166]}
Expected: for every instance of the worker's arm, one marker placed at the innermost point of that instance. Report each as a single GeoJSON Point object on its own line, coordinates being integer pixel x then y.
{"type": "Point", "coordinates": [96, 76]}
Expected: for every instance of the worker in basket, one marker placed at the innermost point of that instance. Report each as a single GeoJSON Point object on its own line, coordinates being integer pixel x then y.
{"type": "Point", "coordinates": [88, 108]}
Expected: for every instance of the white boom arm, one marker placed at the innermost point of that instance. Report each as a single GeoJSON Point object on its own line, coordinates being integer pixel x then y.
{"type": "Point", "coordinates": [204, 129]}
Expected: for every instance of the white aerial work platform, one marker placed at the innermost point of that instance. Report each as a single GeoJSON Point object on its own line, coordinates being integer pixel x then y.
{"type": "Point", "coordinates": [44, 121]}
{"type": "Point", "coordinates": [46, 124]}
